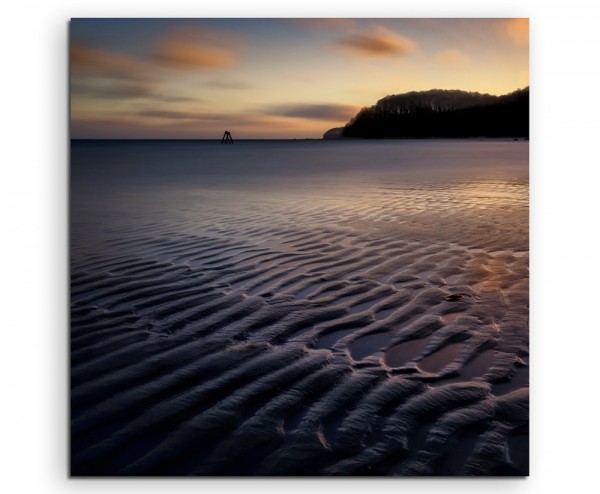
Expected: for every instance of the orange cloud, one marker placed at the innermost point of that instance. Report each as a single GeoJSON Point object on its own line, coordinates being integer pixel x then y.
{"type": "Point", "coordinates": [378, 42]}
{"type": "Point", "coordinates": [453, 57]}
{"type": "Point", "coordinates": [185, 54]}
{"type": "Point", "coordinates": [92, 61]}
{"type": "Point", "coordinates": [518, 30]}
{"type": "Point", "coordinates": [185, 49]}
{"type": "Point", "coordinates": [192, 47]}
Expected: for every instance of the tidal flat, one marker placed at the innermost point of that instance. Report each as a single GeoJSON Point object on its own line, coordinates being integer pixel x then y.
{"type": "Point", "coordinates": [299, 307]}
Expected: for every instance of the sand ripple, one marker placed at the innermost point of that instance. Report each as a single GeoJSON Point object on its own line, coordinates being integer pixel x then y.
{"type": "Point", "coordinates": [376, 331]}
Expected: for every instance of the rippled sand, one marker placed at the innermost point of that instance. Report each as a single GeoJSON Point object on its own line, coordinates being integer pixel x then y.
{"type": "Point", "coordinates": [249, 312]}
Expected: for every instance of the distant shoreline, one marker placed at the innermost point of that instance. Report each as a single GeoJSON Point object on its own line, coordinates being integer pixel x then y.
{"type": "Point", "coordinates": [344, 139]}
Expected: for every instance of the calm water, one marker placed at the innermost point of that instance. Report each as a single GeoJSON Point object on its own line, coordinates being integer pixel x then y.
{"type": "Point", "coordinates": [119, 186]}
{"type": "Point", "coordinates": [113, 179]}
{"type": "Point", "coordinates": [293, 163]}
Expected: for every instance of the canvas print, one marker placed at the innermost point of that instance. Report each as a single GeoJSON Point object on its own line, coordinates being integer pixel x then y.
{"type": "Point", "coordinates": [299, 247]}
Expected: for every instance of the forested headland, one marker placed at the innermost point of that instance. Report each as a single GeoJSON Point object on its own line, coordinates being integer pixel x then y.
{"type": "Point", "coordinates": [443, 113]}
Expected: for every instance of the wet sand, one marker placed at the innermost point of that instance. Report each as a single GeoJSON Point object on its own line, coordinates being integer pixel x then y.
{"type": "Point", "coordinates": [343, 320]}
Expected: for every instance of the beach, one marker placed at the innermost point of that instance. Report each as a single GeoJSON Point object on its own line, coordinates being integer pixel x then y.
{"type": "Point", "coordinates": [299, 307]}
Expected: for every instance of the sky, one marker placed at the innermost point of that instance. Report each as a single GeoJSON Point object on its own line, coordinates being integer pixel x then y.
{"type": "Point", "coordinates": [274, 78]}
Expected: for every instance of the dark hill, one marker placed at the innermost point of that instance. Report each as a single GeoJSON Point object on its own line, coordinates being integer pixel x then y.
{"type": "Point", "coordinates": [444, 113]}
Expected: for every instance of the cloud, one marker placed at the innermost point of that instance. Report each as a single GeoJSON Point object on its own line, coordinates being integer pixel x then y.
{"type": "Point", "coordinates": [194, 47]}
{"type": "Point", "coordinates": [180, 115]}
{"type": "Point", "coordinates": [159, 124]}
{"type": "Point", "coordinates": [91, 61]}
{"type": "Point", "coordinates": [200, 118]}
{"type": "Point", "coordinates": [517, 30]}
{"type": "Point", "coordinates": [268, 114]}
{"type": "Point", "coordinates": [378, 42]}
{"type": "Point", "coordinates": [453, 57]}
{"type": "Point", "coordinates": [174, 99]}
{"type": "Point", "coordinates": [112, 89]}
{"type": "Point", "coordinates": [136, 128]}
{"type": "Point", "coordinates": [184, 49]}
{"type": "Point", "coordinates": [312, 111]}
{"type": "Point", "coordinates": [185, 54]}
{"type": "Point", "coordinates": [222, 84]}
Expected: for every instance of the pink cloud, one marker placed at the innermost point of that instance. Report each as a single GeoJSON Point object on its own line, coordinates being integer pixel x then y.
{"type": "Point", "coordinates": [378, 42]}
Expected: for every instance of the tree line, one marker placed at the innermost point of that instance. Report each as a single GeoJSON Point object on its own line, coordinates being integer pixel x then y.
{"type": "Point", "coordinates": [443, 113]}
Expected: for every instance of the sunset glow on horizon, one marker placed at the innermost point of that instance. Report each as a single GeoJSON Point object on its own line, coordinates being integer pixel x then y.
{"type": "Point", "coordinates": [274, 78]}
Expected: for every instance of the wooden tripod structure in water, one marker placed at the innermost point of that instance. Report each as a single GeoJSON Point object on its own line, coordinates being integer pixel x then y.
{"type": "Point", "coordinates": [226, 138]}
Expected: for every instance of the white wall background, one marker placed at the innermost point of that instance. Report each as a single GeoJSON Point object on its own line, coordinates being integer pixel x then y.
{"type": "Point", "coordinates": [565, 342]}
